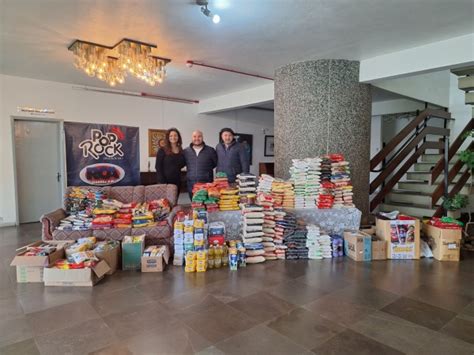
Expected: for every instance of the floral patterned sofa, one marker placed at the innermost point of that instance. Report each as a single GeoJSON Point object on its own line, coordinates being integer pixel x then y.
{"type": "Point", "coordinates": [157, 235]}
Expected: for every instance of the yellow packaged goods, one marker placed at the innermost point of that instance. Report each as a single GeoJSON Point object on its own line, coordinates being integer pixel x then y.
{"type": "Point", "coordinates": [179, 225]}
{"type": "Point", "coordinates": [100, 211]}
{"type": "Point", "coordinates": [198, 223]}
{"type": "Point", "coordinates": [201, 265]}
{"type": "Point", "coordinates": [188, 229]}
{"type": "Point", "coordinates": [228, 191]}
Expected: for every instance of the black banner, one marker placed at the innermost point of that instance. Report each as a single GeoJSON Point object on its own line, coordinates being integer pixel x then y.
{"type": "Point", "coordinates": [101, 154]}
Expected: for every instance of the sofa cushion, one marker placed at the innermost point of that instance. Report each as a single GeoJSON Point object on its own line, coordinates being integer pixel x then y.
{"type": "Point", "coordinates": [113, 233]}
{"type": "Point", "coordinates": [71, 235]}
{"type": "Point", "coordinates": [128, 194]}
{"type": "Point", "coordinates": [155, 192]}
{"type": "Point", "coordinates": [157, 235]}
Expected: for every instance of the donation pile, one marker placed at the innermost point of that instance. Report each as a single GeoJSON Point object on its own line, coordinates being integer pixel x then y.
{"type": "Point", "coordinates": [337, 245]}
{"type": "Point", "coordinates": [266, 201]}
{"type": "Point", "coordinates": [296, 244]}
{"type": "Point", "coordinates": [252, 233]}
{"type": "Point", "coordinates": [78, 221]}
{"type": "Point", "coordinates": [265, 183]}
{"type": "Point", "coordinates": [40, 250]}
{"type": "Point", "coordinates": [81, 199]}
{"type": "Point", "coordinates": [142, 216]}
{"type": "Point", "coordinates": [283, 194]}
{"type": "Point", "coordinates": [229, 199]}
{"type": "Point", "coordinates": [283, 225]}
{"type": "Point", "coordinates": [319, 245]}
{"type": "Point", "coordinates": [247, 184]}
{"type": "Point", "coordinates": [305, 174]}
{"type": "Point", "coordinates": [340, 177]}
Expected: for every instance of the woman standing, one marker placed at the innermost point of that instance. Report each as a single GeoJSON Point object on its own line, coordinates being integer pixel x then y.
{"type": "Point", "coordinates": [170, 159]}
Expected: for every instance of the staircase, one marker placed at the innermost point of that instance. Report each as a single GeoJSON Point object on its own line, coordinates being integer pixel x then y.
{"type": "Point", "coordinates": [466, 83]}
{"type": "Point", "coordinates": [412, 180]}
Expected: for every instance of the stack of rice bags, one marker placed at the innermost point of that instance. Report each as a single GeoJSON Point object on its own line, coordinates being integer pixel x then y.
{"type": "Point", "coordinates": [285, 224]}
{"type": "Point", "coordinates": [247, 184]}
{"type": "Point", "coordinates": [313, 181]}
{"type": "Point", "coordinates": [288, 196]}
{"type": "Point", "coordinates": [298, 176]}
{"type": "Point", "coordinates": [342, 181]}
{"type": "Point", "coordinates": [142, 216]}
{"type": "Point", "coordinates": [319, 244]}
{"type": "Point", "coordinates": [265, 184]}
{"type": "Point", "coordinates": [296, 244]}
{"type": "Point", "coordinates": [221, 181]}
{"type": "Point", "coordinates": [266, 201]}
{"type": "Point", "coordinates": [229, 199]}
{"type": "Point", "coordinates": [278, 192]}
{"type": "Point", "coordinates": [252, 233]}
{"type": "Point", "coordinates": [78, 222]}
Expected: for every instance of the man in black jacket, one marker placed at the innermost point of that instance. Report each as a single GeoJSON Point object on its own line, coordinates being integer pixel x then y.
{"type": "Point", "coordinates": [232, 158]}
{"type": "Point", "coordinates": [200, 161]}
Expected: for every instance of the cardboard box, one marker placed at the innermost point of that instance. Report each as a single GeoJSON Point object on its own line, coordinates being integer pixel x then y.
{"type": "Point", "coordinates": [30, 268]}
{"type": "Point", "coordinates": [402, 237]}
{"type": "Point", "coordinates": [445, 243]}
{"type": "Point", "coordinates": [368, 230]}
{"type": "Point", "coordinates": [156, 263]}
{"type": "Point", "coordinates": [358, 245]}
{"type": "Point", "coordinates": [112, 257]}
{"type": "Point", "coordinates": [379, 249]}
{"type": "Point", "coordinates": [132, 255]}
{"type": "Point", "coordinates": [76, 277]}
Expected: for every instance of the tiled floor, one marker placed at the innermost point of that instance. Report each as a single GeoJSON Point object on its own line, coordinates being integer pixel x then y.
{"type": "Point", "coordinates": [299, 307]}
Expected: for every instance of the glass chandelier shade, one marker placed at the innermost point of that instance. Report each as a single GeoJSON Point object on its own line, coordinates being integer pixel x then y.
{"type": "Point", "coordinates": [112, 64]}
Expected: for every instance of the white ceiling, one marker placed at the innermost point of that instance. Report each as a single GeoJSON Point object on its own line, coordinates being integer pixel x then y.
{"type": "Point", "coordinates": [254, 35]}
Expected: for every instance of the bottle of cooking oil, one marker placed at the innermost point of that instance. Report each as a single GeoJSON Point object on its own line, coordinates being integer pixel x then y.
{"type": "Point", "coordinates": [211, 257]}
{"type": "Point", "coordinates": [217, 255]}
{"type": "Point", "coordinates": [225, 255]}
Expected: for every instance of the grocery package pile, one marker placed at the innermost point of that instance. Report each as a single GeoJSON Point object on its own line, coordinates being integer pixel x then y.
{"type": "Point", "coordinates": [340, 177]}
{"type": "Point", "coordinates": [265, 183]}
{"type": "Point", "coordinates": [283, 194]}
{"type": "Point", "coordinates": [247, 184]}
{"type": "Point", "coordinates": [82, 199]}
{"type": "Point", "coordinates": [160, 208]}
{"type": "Point", "coordinates": [77, 222]}
{"type": "Point", "coordinates": [319, 245]}
{"type": "Point", "coordinates": [337, 245]}
{"type": "Point", "coordinates": [82, 254]}
{"type": "Point", "coordinates": [305, 174]}
{"type": "Point", "coordinates": [40, 250]}
{"type": "Point", "coordinates": [178, 240]}
{"type": "Point", "coordinates": [229, 199]}
{"type": "Point", "coordinates": [267, 202]}
{"type": "Point", "coordinates": [445, 223]}
{"type": "Point", "coordinates": [154, 250]}
{"type": "Point", "coordinates": [252, 233]}
{"type": "Point", "coordinates": [326, 196]}
{"type": "Point", "coordinates": [142, 216]}
{"type": "Point", "coordinates": [296, 244]}
{"type": "Point", "coordinates": [284, 224]}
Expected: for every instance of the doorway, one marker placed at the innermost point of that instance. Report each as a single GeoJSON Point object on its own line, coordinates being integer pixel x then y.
{"type": "Point", "coordinates": [38, 167]}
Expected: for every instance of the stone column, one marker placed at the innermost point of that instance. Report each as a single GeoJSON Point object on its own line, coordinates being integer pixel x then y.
{"type": "Point", "coordinates": [320, 107]}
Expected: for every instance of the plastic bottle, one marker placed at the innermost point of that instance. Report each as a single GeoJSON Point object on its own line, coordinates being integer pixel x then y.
{"type": "Point", "coordinates": [225, 256]}
{"type": "Point", "coordinates": [210, 257]}
{"type": "Point", "coordinates": [217, 255]}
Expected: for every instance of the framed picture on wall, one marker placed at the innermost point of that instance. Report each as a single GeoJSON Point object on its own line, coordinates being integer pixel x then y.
{"type": "Point", "coordinates": [156, 140]}
{"type": "Point", "coordinates": [269, 146]}
{"type": "Point", "coordinates": [247, 141]}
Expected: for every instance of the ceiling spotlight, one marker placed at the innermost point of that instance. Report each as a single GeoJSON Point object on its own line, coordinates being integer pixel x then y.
{"type": "Point", "coordinates": [203, 3]}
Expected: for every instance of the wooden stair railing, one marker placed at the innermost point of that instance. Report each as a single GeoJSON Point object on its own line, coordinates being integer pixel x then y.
{"type": "Point", "coordinates": [456, 188]}
{"type": "Point", "coordinates": [378, 199]}
{"type": "Point", "coordinates": [439, 191]}
{"type": "Point", "coordinates": [411, 135]}
{"type": "Point", "coordinates": [405, 132]}
{"type": "Point", "coordinates": [453, 149]}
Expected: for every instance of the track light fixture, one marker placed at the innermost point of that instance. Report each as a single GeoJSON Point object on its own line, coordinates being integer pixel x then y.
{"type": "Point", "coordinates": [203, 3]}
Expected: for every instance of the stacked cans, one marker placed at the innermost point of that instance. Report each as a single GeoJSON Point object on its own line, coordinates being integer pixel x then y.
{"type": "Point", "coordinates": [252, 232]}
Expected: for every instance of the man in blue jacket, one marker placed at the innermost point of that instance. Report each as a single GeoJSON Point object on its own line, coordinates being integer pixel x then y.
{"type": "Point", "coordinates": [201, 159]}
{"type": "Point", "coordinates": [232, 157]}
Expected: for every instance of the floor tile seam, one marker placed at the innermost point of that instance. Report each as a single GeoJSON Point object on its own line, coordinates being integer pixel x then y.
{"type": "Point", "coordinates": [419, 325]}
{"type": "Point", "coordinates": [126, 309]}
{"type": "Point", "coordinates": [420, 299]}
{"type": "Point", "coordinates": [424, 303]}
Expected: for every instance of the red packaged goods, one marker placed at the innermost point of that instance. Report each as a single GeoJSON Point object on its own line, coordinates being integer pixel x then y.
{"type": "Point", "coordinates": [445, 223]}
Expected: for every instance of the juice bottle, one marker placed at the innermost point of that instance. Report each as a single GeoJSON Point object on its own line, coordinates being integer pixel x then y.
{"type": "Point", "coordinates": [217, 255]}
{"type": "Point", "coordinates": [210, 257]}
{"type": "Point", "coordinates": [225, 256]}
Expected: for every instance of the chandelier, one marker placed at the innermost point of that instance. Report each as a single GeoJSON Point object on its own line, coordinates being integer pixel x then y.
{"type": "Point", "coordinates": [112, 64]}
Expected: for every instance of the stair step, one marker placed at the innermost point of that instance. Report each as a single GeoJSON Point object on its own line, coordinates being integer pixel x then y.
{"type": "Point", "coordinates": [434, 158]}
{"type": "Point", "coordinates": [423, 187]}
{"type": "Point", "coordinates": [408, 209]}
{"type": "Point", "coordinates": [466, 83]}
{"type": "Point", "coordinates": [401, 196]}
{"type": "Point", "coordinates": [420, 176]}
{"type": "Point", "coordinates": [463, 71]}
{"type": "Point", "coordinates": [426, 167]}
